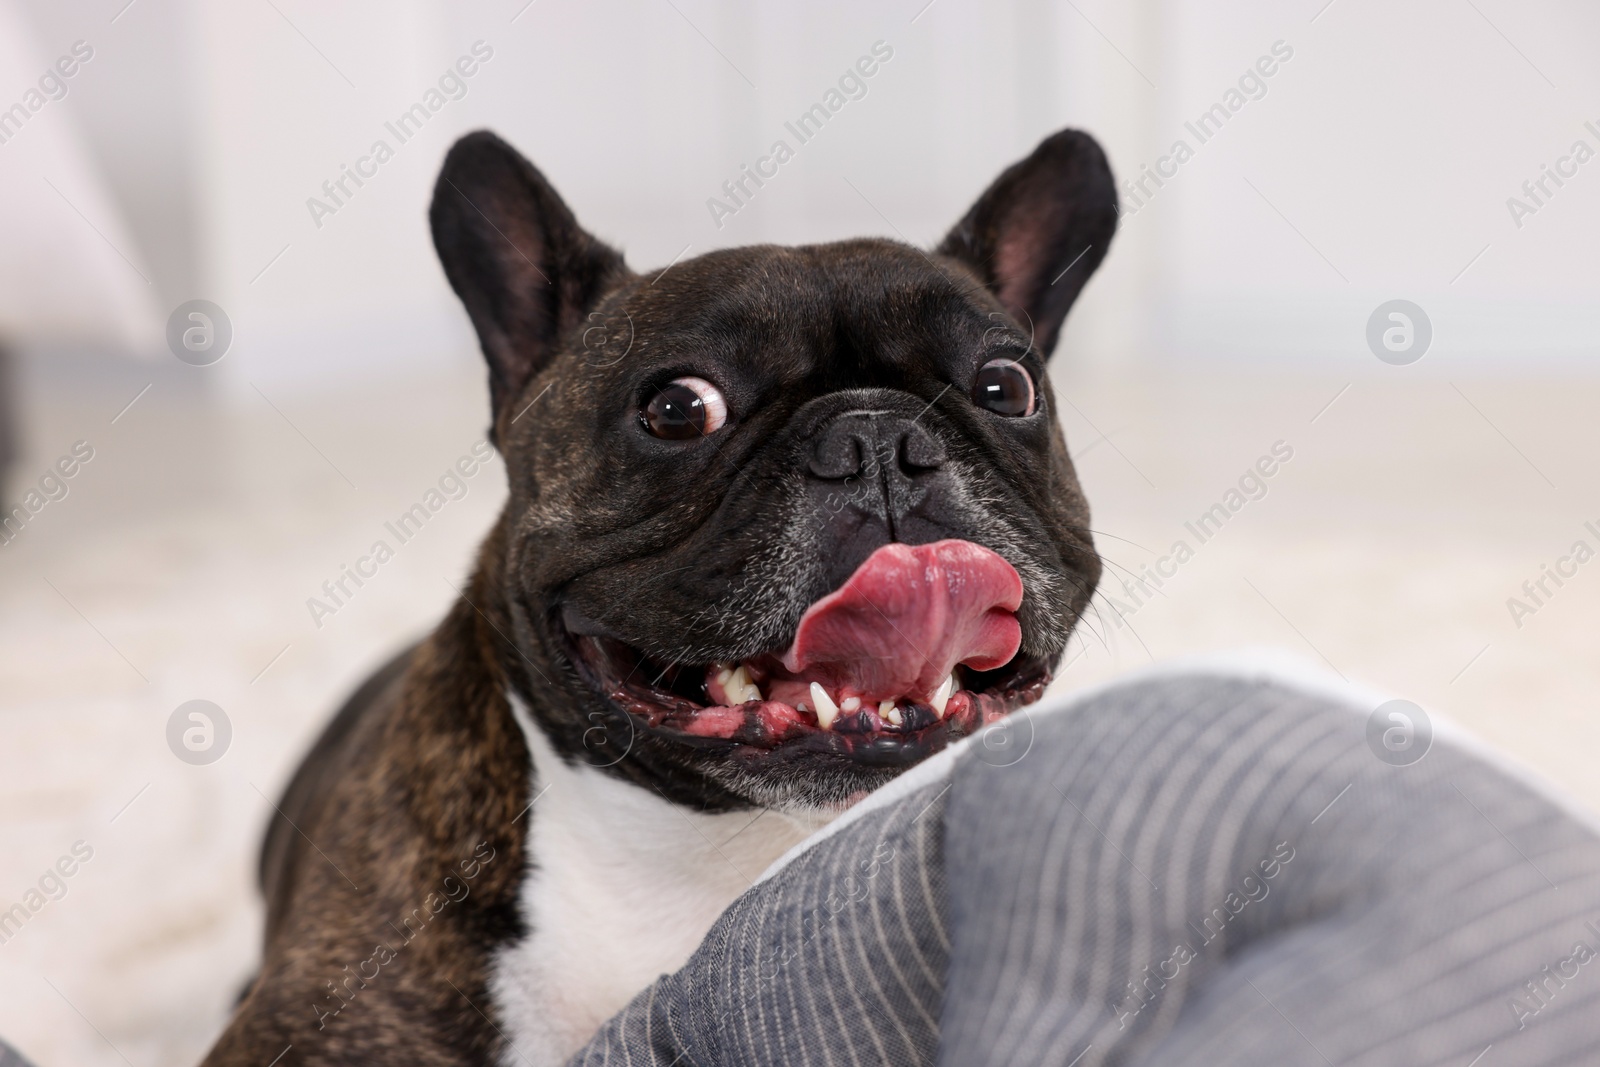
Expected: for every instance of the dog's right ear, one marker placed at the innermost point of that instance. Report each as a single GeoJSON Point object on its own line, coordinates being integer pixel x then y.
{"type": "Point", "coordinates": [517, 258]}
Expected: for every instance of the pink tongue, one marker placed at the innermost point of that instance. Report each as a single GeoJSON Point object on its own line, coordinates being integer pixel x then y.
{"type": "Point", "coordinates": [906, 617]}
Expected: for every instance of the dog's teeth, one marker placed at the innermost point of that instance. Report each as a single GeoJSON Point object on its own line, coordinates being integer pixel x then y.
{"type": "Point", "coordinates": [722, 677]}
{"type": "Point", "coordinates": [739, 686]}
{"type": "Point", "coordinates": [885, 708]}
{"type": "Point", "coordinates": [827, 710]}
{"type": "Point", "coordinates": [850, 704]}
{"type": "Point", "coordinates": [941, 696]}
{"type": "Point", "coordinates": [894, 716]}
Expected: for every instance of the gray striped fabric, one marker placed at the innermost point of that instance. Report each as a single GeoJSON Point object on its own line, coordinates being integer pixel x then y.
{"type": "Point", "coordinates": [1193, 870]}
{"type": "Point", "coordinates": [10, 1057]}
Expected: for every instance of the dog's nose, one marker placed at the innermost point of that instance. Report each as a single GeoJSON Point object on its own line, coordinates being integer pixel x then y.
{"type": "Point", "coordinates": [876, 477]}
{"type": "Point", "coordinates": [864, 444]}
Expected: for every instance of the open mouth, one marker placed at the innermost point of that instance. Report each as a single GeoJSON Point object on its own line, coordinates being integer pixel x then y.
{"type": "Point", "coordinates": [919, 647]}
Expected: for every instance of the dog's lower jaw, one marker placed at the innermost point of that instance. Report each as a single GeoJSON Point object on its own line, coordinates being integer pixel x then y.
{"type": "Point", "coordinates": [622, 885]}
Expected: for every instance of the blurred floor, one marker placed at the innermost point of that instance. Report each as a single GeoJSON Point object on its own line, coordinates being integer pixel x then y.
{"type": "Point", "coordinates": [179, 564]}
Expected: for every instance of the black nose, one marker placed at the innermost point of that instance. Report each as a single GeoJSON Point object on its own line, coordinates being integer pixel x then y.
{"type": "Point", "coordinates": [875, 478]}
{"type": "Point", "coordinates": [868, 445]}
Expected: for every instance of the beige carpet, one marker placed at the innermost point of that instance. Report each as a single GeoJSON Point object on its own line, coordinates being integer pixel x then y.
{"type": "Point", "coordinates": [180, 562]}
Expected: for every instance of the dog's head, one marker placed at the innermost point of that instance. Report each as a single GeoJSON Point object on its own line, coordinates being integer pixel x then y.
{"type": "Point", "coordinates": [782, 521]}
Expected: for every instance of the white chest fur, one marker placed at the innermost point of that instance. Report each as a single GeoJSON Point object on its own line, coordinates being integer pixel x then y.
{"type": "Point", "coordinates": [621, 887]}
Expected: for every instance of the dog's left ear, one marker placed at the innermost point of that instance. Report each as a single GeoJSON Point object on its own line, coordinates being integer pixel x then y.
{"type": "Point", "coordinates": [517, 258]}
{"type": "Point", "coordinates": [1036, 235]}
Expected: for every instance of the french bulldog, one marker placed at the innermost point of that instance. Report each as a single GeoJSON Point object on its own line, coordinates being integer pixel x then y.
{"type": "Point", "coordinates": [782, 522]}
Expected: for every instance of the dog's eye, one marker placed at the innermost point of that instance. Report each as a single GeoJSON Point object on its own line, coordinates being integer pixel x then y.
{"type": "Point", "coordinates": [1004, 387]}
{"type": "Point", "coordinates": [685, 408]}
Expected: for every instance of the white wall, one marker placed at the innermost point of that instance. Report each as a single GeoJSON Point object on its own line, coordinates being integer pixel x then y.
{"type": "Point", "coordinates": [637, 117]}
{"type": "Point", "coordinates": [1390, 142]}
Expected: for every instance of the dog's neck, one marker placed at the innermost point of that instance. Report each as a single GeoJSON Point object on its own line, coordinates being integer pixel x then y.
{"type": "Point", "coordinates": [622, 885]}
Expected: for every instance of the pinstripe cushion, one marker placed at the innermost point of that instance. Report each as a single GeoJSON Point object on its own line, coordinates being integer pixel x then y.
{"type": "Point", "coordinates": [1189, 870]}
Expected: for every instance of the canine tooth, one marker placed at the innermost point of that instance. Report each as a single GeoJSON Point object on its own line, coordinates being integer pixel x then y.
{"type": "Point", "coordinates": [739, 686]}
{"type": "Point", "coordinates": [895, 717]}
{"type": "Point", "coordinates": [850, 704]}
{"type": "Point", "coordinates": [941, 696]}
{"type": "Point", "coordinates": [827, 710]}
{"type": "Point", "coordinates": [884, 708]}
